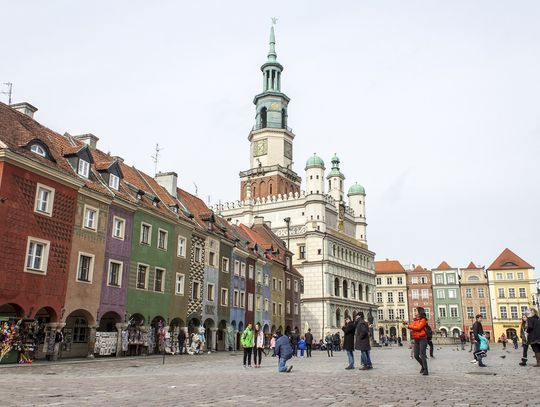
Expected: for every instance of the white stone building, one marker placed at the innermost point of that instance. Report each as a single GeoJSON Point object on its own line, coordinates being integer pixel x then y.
{"type": "Point", "coordinates": [324, 229]}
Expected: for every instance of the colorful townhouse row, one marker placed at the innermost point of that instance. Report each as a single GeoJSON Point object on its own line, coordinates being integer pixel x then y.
{"type": "Point", "coordinates": [119, 261]}
{"type": "Point", "coordinates": [452, 297]}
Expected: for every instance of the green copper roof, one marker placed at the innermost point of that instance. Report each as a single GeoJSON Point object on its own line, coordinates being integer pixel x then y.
{"type": "Point", "coordinates": [314, 161]}
{"type": "Point", "coordinates": [272, 56]}
{"type": "Point", "coordinates": [356, 189]}
{"type": "Point", "coordinates": [335, 172]}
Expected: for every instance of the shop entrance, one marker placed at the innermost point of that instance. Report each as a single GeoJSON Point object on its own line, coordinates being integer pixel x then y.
{"type": "Point", "coordinates": [107, 343]}
{"type": "Point", "coordinates": [76, 335]}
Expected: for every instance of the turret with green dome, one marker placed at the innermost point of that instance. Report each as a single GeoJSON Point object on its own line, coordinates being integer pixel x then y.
{"type": "Point", "coordinates": [356, 189]}
{"type": "Point", "coordinates": [314, 162]}
{"type": "Point", "coordinates": [335, 172]}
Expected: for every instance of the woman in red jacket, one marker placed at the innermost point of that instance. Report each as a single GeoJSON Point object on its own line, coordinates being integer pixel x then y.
{"type": "Point", "coordinates": [419, 334]}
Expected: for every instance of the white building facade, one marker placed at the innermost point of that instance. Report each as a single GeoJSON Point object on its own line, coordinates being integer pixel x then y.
{"type": "Point", "coordinates": [324, 229]}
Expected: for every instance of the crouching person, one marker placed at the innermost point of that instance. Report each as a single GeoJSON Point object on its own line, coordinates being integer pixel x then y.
{"type": "Point", "coordinates": [283, 351]}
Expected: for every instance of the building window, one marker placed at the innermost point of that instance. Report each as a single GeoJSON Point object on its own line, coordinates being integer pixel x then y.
{"type": "Point", "coordinates": [243, 269]}
{"type": "Point", "coordinates": [451, 279]}
{"type": "Point", "coordinates": [425, 294]}
{"type": "Point", "coordinates": [390, 296]}
{"type": "Point", "coordinates": [522, 292]}
{"type": "Point", "coordinates": [442, 312]}
{"type": "Point", "coordinates": [146, 233]}
{"type": "Point", "coordinates": [511, 293]}
{"type": "Point", "coordinates": [196, 290]}
{"type": "Point", "coordinates": [288, 284]}
{"type": "Point", "coordinates": [280, 309]}
{"type": "Point", "coordinates": [212, 258]}
{"type": "Point", "coordinates": [468, 293]}
{"type": "Point", "coordinates": [302, 252]}
{"type": "Point", "coordinates": [162, 239]}
{"type": "Point", "coordinates": [115, 273]}
{"type": "Point", "coordinates": [37, 255]}
{"type": "Point", "coordinates": [509, 276]}
{"type": "Point", "coordinates": [44, 200]}
{"type": "Point", "coordinates": [414, 294]}
{"type": "Point", "coordinates": [295, 286]}
{"type": "Point", "coordinates": [84, 168]}
{"type": "Point", "coordinates": [400, 297]}
{"type": "Point", "coordinates": [242, 299]}
{"type": "Point", "coordinates": [259, 277]}
{"type": "Point", "coordinates": [114, 181]}
{"type": "Point", "coordinates": [380, 314]}
{"type": "Point", "coordinates": [391, 314]}
{"type": "Point", "coordinates": [483, 311]}
{"type": "Point", "coordinates": [85, 267]}
{"type": "Point", "coordinates": [470, 312]}
{"type": "Point", "coordinates": [453, 311]}
{"type": "Point", "coordinates": [480, 292]}
{"type": "Point", "coordinates": [142, 274]}
{"type": "Point", "coordinates": [237, 267]}
{"type": "Point", "coordinates": [427, 312]}
{"type": "Point", "coordinates": [440, 294]}
{"type": "Point", "coordinates": [499, 276]}
{"type": "Point", "coordinates": [379, 297]}
{"type": "Point", "coordinates": [274, 284]}
{"type": "Point", "coordinates": [524, 310]}
{"type": "Point", "coordinates": [503, 312]}
{"type": "Point", "coordinates": [210, 292]}
{"type": "Point", "coordinates": [452, 294]}
{"type": "Point", "coordinates": [414, 280]}
{"type": "Point", "coordinates": [400, 280]}
{"type": "Point", "coordinates": [179, 284]}
{"type": "Point", "coordinates": [119, 226]}
{"type": "Point", "coordinates": [182, 243]}
{"type": "Point", "coordinates": [224, 297]}
{"type": "Point", "coordinates": [235, 298]}
{"type": "Point", "coordinates": [423, 280]}
{"type": "Point", "coordinates": [274, 308]}
{"type": "Point", "coordinates": [250, 302]}
{"type": "Point", "coordinates": [280, 285]}
{"type": "Point", "coordinates": [259, 300]}
{"type": "Point", "coordinates": [159, 280]}
{"type": "Point", "coordinates": [296, 308]}
{"type": "Point", "coordinates": [225, 264]}
{"type": "Point", "coordinates": [378, 281]}
{"type": "Point", "coordinates": [90, 218]}
{"type": "Point", "coordinates": [401, 314]}
{"type": "Point", "coordinates": [288, 307]}
{"type": "Point", "coordinates": [439, 279]}
{"type": "Point", "coordinates": [266, 280]}
{"type": "Point", "coordinates": [388, 280]}
{"type": "Point", "coordinates": [36, 148]}
{"type": "Point", "coordinates": [251, 271]}
{"type": "Point", "coordinates": [198, 254]}
{"type": "Point", "coordinates": [501, 292]}
{"type": "Point", "coordinates": [80, 330]}
{"type": "Point", "coordinates": [514, 312]}
{"type": "Point", "coordinates": [520, 275]}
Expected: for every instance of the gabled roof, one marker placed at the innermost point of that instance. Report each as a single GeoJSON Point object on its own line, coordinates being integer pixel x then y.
{"type": "Point", "coordinates": [509, 260]}
{"type": "Point", "coordinates": [444, 266]}
{"type": "Point", "coordinates": [472, 266]}
{"type": "Point", "coordinates": [420, 269]}
{"type": "Point", "coordinates": [388, 267]}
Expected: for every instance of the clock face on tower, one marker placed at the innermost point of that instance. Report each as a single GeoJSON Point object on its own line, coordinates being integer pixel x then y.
{"type": "Point", "coordinates": [260, 147]}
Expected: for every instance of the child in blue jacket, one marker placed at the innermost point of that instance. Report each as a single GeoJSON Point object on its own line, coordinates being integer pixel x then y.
{"type": "Point", "coordinates": [301, 346]}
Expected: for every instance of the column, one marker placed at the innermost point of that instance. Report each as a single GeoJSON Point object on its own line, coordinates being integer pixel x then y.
{"type": "Point", "coordinates": [213, 333]}
{"type": "Point", "coordinates": [91, 341]}
{"type": "Point", "coordinates": [120, 327]}
{"type": "Point", "coordinates": [235, 340]}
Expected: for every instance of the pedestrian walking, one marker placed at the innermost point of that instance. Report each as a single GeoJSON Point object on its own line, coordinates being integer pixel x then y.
{"type": "Point", "coordinates": [463, 340]}
{"type": "Point", "coordinates": [182, 341]}
{"type": "Point", "coordinates": [309, 342]}
{"type": "Point", "coordinates": [515, 341]}
{"type": "Point", "coordinates": [419, 334]}
{"type": "Point", "coordinates": [478, 332]}
{"type": "Point", "coordinates": [503, 340]}
{"type": "Point", "coordinates": [337, 342]}
{"type": "Point", "coordinates": [533, 334]}
{"type": "Point", "coordinates": [283, 351]}
{"type": "Point", "coordinates": [329, 340]}
{"type": "Point", "coordinates": [524, 340]}
{"type": "Point", "coordinates": [246, 340]}
{"type": "Point", "coordinates": [361, 336]}
{"type": "Point", "coordinates": [348, 341]}
{"type": "Point", "coordinates": [294, 340]}
{"type": "Point", "coordinates": [258, 345]}
{"type": "Point", "coordinates": [301, 346]}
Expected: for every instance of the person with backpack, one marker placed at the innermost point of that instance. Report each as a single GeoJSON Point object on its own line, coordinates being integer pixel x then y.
{"type": "Point", "coordinates": [429, 337]}
{"type": "Point", "coordinates": [419, 334]}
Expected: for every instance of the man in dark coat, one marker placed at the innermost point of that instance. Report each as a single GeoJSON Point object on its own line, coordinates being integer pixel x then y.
{"type": "Point", "coordinates": [309, 342]}
{"type": "Point", "coordinates": [362, 341]}
{"type": "Point", "coordinates": [348, 341]}
{"type": "Point", "coordinates": [294, 337]}
{"type": "Point", "coordinates": [182, 341]}
{"type": "Point", "coordinates": [533, 334]}
{"type": "Point", "coordinates": [284, 352]}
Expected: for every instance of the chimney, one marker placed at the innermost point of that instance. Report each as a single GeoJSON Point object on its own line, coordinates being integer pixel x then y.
{"type": "Point", "coordinates": [89, 139]}
{"type": "Point", "coordinates": [25, 108]}
{"type": "Point", "coordinates": [169, 181]}
{"type": "Point", "coordinates": [118, 158]}
{"type": "Point", "coordinates": [258, 220]}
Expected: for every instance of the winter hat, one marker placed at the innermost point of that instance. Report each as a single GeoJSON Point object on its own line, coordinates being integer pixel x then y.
{"type": "Point", "coordinates": [420, 310]}
{"type": "Point", "coordinates": [361, 314]}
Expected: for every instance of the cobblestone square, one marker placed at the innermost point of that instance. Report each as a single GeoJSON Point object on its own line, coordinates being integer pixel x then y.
{"type": "Point", "coordinates": [219, 379]}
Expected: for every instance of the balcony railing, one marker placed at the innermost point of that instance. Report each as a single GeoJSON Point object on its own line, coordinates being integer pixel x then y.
{"type": "Point", "coordinates": [271, 125]}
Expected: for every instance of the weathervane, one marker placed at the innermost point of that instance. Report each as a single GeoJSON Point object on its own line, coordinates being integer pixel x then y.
{"type": "Point", "coordinates": [274, 20]}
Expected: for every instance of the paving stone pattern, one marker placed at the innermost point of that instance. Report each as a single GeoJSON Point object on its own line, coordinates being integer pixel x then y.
{"type": "Point", "coordinates": [219, 380]}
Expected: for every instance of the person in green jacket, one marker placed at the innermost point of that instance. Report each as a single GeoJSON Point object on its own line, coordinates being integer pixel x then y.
{"type": "Point", "coordinates": [246, 340]}
{"type": "Point", "coordinates": [329, 341]}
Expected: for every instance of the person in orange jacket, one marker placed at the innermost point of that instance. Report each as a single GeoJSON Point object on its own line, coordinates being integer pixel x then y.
{"type": "Point", "coordinates": [419, 334]}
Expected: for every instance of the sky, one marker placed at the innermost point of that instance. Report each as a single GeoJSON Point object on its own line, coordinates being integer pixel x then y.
{"type": "Point", "coordinates": [432, 106]}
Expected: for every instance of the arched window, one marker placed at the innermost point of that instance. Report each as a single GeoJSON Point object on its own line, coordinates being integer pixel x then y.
{"type": "Point", "coordinates": [283, 118]}
{"type": "Point", "coordinates": [360, 292]}
{"type": "Point", "coordinates": [270, 189]}
{"type": "Point", "coordinates": [264, 114]}
{"type": "Point", "coordinates": [353, 291]}
{"type": "Point", "coordinates": [338, 317]}
{"type": "Point", "coordinates": [253, 191]}
{"type": "Point", "coordinates": [336, 287]}
{"type": "Point", "coordinates": [334, 250]}
{"type": "Point", "coordinates": [36, 148]}
{"type": "Point", "coordinates": [80, 330]}
{"type": "Point", "coordinates": [345, 288]}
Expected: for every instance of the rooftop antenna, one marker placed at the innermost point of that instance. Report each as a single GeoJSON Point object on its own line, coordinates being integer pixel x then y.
{"type": "Point", "coordinates": [196, 189]}
{"type": "Point", "coordinates": [155, 157]}
{"type": "Point", "coordinates": [9, 91]}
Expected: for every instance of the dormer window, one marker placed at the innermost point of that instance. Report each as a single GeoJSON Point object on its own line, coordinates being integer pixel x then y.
{"type": "Point", "coordinates": [36, 148]}
{"type": "Point", "coordinates": [155, 202]}
{"type": "Point", "coordinates": [114, 181]}
{"type": "Point", "coordinates": [84, 168]}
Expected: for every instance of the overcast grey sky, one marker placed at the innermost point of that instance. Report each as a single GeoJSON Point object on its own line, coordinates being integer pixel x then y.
{"type": "Point", "coordinates": [432, 106]}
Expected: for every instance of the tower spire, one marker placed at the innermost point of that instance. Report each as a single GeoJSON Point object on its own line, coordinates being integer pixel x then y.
{"type": "Point", "coordinates": [272, 56]}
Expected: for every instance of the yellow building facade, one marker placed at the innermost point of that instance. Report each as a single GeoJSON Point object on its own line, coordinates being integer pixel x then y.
{"type": "Point", "coordinates": [512, 286]}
